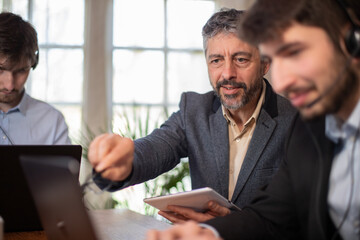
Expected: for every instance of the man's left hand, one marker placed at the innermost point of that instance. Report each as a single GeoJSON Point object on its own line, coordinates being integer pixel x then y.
{"type": "Point", "coordinates": [179, 214]}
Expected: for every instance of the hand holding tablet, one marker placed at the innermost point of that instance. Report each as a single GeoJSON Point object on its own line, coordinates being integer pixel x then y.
{"type": "Point", "coordinates": [196, 199]}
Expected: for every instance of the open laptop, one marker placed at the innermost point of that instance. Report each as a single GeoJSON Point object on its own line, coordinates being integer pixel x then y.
{"type": "Point", "coordinates": [59, 201]}
{"type": "Point", "coordinates": [58, 198]}
{"type": "Point", "coordinates": [17, 206]}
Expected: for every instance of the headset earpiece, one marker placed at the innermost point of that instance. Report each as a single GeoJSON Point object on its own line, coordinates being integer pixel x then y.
{"type": "Point", "coordinates": [352, 38]}
{"type": "Point", "coordinates": [352, 41]}
{"type": "Point", "coordinates": [36, 59]}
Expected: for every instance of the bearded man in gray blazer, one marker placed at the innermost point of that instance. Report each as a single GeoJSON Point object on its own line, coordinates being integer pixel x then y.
{"type": "Point", "coordinates": [233, 135]}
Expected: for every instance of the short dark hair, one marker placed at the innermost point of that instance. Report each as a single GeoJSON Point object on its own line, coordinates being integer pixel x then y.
{"type": "Point", "coordinates": [267, 19]}
{"type": "Point", "coordinates": [226, 20]}
{"type": "Point", "coordinates": [18, 39]}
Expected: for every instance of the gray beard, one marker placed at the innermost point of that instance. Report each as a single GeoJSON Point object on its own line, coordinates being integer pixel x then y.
{"type": "Point", "coordinates": [248, 94]}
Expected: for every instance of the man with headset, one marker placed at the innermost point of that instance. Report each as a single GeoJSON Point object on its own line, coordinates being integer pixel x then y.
{"type": "Point", "coordinates": [314, 47]}
{"type": "Point", "coordinates": [23, 119]}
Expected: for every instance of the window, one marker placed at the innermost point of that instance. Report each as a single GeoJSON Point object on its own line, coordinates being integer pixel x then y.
{"type": "Point", "coordinates": [157, 55]}
{"type": "Point", "coordinates": [158, 52]}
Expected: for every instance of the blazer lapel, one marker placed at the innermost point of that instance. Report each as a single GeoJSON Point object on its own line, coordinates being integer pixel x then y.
{"type": "Point", "coordinates": [262, 133]}
{"type": "Point", "coordinates": [219, 137]}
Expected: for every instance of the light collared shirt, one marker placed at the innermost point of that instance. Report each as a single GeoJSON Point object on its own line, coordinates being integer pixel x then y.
{"type": "Point", "coordinates": [345, 174]}
{"type": "Point", "coordinates": [239, 140]}
{"type": "Point", "coordinates": [33, 122]}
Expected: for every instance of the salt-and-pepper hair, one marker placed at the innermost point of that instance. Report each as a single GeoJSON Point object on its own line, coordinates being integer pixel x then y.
{"type": "Point", "coordinates": [224, 21]}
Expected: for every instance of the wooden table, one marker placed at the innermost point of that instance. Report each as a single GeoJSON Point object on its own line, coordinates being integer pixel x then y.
{"type": "Point", "coordinates": [36, 235]}
{"type": "Point", "coordinates": [108, 224]}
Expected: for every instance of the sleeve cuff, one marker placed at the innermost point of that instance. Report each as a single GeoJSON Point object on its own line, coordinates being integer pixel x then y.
{"type": "Point", "coordinates": [111, 186]}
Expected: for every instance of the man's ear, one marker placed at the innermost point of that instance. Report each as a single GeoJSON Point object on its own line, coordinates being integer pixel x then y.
{"type": "Point", "coordinates": [265, 65]}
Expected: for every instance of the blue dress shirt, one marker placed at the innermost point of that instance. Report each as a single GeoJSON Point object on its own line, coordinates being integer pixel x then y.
{"type": "Point", "coordinates": [33, 122]}
{"type": "Point", "coordinates": [345, 174]}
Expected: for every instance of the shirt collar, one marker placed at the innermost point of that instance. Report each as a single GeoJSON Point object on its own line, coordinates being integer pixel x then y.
{"type": "Point", "coordinates": [335, 129]}
{"type": "Point", "coordinates": [255, 114]}
{"type": "Point", "coordinates": [22, 106]}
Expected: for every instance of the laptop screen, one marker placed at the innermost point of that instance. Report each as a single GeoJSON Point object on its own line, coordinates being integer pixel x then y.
{"type": "Point", "coordinates": [54, 186]}
{"type": "Point", "coordinates": [16, 203]}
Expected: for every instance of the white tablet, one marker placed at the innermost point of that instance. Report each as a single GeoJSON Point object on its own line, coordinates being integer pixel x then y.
{"type": "Point", "coordinates": [196, 199]}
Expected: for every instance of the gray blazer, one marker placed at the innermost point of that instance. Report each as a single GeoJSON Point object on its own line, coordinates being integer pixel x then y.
{"type": "Point", "coordinates": [199, 131]}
